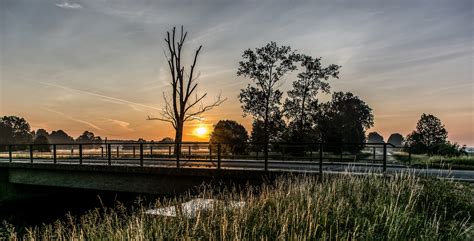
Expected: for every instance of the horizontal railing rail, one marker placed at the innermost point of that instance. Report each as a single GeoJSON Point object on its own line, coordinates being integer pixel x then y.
{"type": "Point", "coordinates": [247, 155]}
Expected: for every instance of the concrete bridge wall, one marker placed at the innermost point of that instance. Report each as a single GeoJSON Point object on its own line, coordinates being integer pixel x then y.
{"type": "Point", "coordinates": [25, 179]}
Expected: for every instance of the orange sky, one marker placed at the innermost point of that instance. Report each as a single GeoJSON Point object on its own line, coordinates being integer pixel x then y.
{"type": "Point", "coordinates": [99, 66]}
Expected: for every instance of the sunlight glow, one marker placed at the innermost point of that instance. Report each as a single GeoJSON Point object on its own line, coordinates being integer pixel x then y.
{"type": "Point", "coordinates": [201, 132]}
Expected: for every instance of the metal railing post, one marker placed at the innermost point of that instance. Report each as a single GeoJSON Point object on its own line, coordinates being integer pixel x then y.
{"type": "Point", "coordinates": [117, 148]}
{"type": "Point", "coordinates": [31, 153]}
{"type": "Point", "coordinates": [169, 151]}
{"type": "Point", "coordinates": [151, 151]}
{"type": "Point", "coordinates": [54, 154]}
{"type": "Point", "coordinates": [384, 157]}
{"type": "Point", "coordinates": [321, 160]}
{"type": "Point", "coordinates": [374, 153]}
{"type": "Point", "coordinates": [80, 154]}
{"type": "Point", "coordinates": [133, 151]}
{"type": "Point", "coordinates": [141, 154]}
{"type": "Point", "coordinates": [178, 152]}
{"type": "Point", "coordinates": [109, 154]}
{"type": "Point", "coordinates": [102, 152]}
{"type": "Point", "coordinates": [219, 156]}
{"type": "Point", "coordinates": [210, 152]}
{"type": "Point", "coordinates": [10, 156]}
{"type": "Point", "coordinates": [189, 152]}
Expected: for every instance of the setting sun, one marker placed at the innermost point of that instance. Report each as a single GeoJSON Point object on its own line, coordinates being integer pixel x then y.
{"type": "Point", "coordinates": [201, 132]}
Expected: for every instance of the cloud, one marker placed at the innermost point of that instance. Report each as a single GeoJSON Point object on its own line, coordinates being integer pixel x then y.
{"type": "Point", "coordinates": [67, 5]}
{"type": "Point", "coordinates": [133, 105]}
{"type": "Point", "coordinates": [74, 119]}
{"type": "Point", "coordinates": [125, 125]}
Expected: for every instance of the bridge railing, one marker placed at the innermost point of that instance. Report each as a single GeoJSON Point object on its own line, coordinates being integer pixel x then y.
{"type": "Point", "coordinates": [279, 155]}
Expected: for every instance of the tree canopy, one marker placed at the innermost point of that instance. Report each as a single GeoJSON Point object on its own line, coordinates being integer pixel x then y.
{"type": "Point", "coordinates": [374, 137]}
{"type": "Point", "coordinates": [232, 134]}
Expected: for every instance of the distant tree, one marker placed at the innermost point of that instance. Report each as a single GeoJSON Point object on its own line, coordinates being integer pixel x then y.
{"type": "Point", "coordinates": [232, 134]}
{"type": "Point", "coordinates": [166, 140]}
{"type": "Point", "coordinates": [429, 133]}
{"type": "Point", "coordinates": [41, 143]}
{"type": "Point", "coordinates": [344, 120]}
{"type": "Point", "coordinates": [60, 137]}
{"type": "Point", "coordinates": [374, 137]}
{"type": "Point", "coordinates": [265, 66]}
{"type": "Point", "coordinates": [396, 139]}
{"type": "Point", "coordinates": [41, 132]}
{"type": "Point", "coordinates": [14, 130]}
{"type": "Point", "coordinates": [302, 98]}
{"type": "Point", "coordinates": [182, 107]}
{"type": "Point", "coordinates": [88, 137]}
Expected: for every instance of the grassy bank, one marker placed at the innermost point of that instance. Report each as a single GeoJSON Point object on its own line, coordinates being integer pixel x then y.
{"type": "Point", "coordinates": [346, 207]}
{"type": "Point", "coordinates": [464, 162]}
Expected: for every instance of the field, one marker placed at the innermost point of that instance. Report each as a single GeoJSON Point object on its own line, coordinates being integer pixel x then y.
{"type": "Point", "coordinates": [401, 207]}
{"type": "Point", "coordinates": [464, 162]}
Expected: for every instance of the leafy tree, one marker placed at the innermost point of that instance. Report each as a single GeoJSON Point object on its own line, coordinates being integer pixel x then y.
{"type": "Point", "coordinates": [41, 132]}
{"type": "Point", "coordinates": [302, 99]}
{"type": "Point", "coordinates": [88, 137]}
{"type": "Point", "coordinates": [276, 132]}
{"type": "Point", "coordinates": [182, 107]}
{"type": "Point", "coordinates": [344, 120]}
{"type": "Point", "coordinates": [232, 134]}
{"type": "Point", "coordinates": [429, 133]}
{"type": "Point", "coordinates": [374, 137]}
{"type": "Point", "coordinates": [166, 140]}
{"type": "Point", "coordinates": [60, 137]}
{"type": "Point", "coordinates": [395, 139]}
{"type": "Point", "coordinates": [265, 66]}
{"type": "Point", "coordinates": [14, 130]}
{"type": "Point", "coordinates": [42, 143]}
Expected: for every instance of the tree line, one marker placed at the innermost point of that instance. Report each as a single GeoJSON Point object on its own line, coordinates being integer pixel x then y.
{"type": "Point", "coordinates": [16, 130]}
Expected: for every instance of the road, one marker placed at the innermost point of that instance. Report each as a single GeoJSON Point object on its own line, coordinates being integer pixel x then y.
{"type": "Point", "coordinates": [273, 165]}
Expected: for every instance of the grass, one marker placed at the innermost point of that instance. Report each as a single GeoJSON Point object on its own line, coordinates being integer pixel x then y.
{"type": "Point", "coordinates": [402, 207]}
{"type": "Point", "coordinates": [464, 162]}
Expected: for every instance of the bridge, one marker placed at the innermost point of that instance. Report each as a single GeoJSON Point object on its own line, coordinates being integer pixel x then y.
{"type": "Point", "coordinates": [158, 168]}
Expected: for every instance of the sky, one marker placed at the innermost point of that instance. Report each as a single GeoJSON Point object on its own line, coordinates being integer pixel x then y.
{"type": "Point", "coordinates": [99, 65]}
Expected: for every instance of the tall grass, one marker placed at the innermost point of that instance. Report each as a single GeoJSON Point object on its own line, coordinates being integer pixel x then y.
{"type": "Point", "coordinates": [423, 160]}
{"type": "Point", "coordinates": [402, 207]}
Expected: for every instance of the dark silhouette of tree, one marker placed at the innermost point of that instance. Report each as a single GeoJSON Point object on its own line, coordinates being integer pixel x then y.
{"type": "Point", "coordinates": [166, 140]}
{"type": "Point", "coordinates": [374, 137]}
{"type": "Point", "coordinates": [395, 139]}
{"type": "Point", "coordinates": [41, 143]}
{"type": "Point", "coordinates": [344, 120]}
{"type": "Point", "coordinates": [232, 136]}
{"type": "Point", "coordinates": [275, 132]}
{"type": "Point", "coordinates": [302, 99]}
{"type": "Point", "coordinates": [88, 137]}
{"type": "Point", "coordinates": [41, 132]}
{"type": "Point", "coordinates": [60, 137]}
{"type": "Point", "coordinates": [429, 133]}
{"type": "Point", "coordinates": [181, 106]}
{"type": "Point", "coordinates": [15, 130]}
{"type": "Point", "coordinates": [265, 67]}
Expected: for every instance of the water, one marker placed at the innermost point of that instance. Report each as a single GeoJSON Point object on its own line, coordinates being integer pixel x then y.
{"type": "Point", "coordinates": [38, 211]}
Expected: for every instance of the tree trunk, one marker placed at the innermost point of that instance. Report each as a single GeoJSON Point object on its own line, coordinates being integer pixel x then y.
{"type": "Point", "coordinates": [178, 138]}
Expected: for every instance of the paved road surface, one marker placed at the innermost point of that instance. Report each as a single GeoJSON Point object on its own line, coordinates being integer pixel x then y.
{"type": "Point", "coordinates": [301, 166]}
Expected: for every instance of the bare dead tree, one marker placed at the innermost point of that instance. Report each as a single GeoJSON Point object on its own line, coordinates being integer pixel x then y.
{"type": "Point", "coordinates": [181, 106]}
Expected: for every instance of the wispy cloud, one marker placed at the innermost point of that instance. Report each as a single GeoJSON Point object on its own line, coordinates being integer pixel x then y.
{"type": "Point", "coordinates": [67, 5]}
{"type": "Point", "coordinates": [125, 125]}
{"type": "Point", "coordinates": [75, 119]}
{"type": "Point", "coordinates": [133, 105]}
